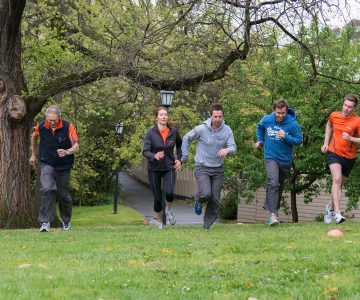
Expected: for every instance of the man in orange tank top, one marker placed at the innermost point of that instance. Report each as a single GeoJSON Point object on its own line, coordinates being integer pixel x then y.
{"type": "Point", "coordinates": [343, 128]}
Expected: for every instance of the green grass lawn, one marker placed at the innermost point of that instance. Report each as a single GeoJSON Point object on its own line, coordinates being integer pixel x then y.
{"type": "Point", "coordinates": [104, 215]}
{"type": "Point", "coordinates": [100, 260]}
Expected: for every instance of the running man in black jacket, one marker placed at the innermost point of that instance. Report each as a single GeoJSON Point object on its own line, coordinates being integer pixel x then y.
{"type": "Point", "coordinates": [159, 145]}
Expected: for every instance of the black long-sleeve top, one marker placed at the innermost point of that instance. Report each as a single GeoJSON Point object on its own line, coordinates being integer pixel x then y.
{"type": "Point", "coordinates": [154, 143]}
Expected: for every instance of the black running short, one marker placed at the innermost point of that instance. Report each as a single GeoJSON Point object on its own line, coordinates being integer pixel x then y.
{"type": "Point", "coordinates": [346, 164]}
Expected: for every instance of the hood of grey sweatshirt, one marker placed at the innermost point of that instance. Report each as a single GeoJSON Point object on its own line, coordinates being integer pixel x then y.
{"type": "Point", "coordinates": [209, 142]}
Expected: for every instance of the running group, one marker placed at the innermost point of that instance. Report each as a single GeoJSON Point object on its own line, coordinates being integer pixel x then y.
{"type": "Point", "coordinates": [277, 132]}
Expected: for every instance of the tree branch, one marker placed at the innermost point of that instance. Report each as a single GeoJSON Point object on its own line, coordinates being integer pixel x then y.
{"type": "Point", "coordinates": [294, 38]}
{"type": "Point", "coordinates": [237, 3]}
{"type": "Point", "coordinates": [338, 79]}
{"type": "Point", "coordinates": [102, 58]}
{"type": "Point", "coordinates": [132, 73]}
{"type": "Point", "coordinates": [307, 184]}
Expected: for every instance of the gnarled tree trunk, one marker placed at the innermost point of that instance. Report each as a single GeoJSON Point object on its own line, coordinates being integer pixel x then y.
{"type": "Point", "coordinates": [16, 207]}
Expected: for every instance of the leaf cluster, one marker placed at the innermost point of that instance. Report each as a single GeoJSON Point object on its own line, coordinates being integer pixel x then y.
{"type": "Point", "coordinates": [285, 72]}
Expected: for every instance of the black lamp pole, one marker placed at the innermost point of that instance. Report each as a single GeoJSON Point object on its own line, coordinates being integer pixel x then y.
{"type": "Point", "coordinates": [166, 98]}
{"type": "Point", "coordinates": [119, 127]}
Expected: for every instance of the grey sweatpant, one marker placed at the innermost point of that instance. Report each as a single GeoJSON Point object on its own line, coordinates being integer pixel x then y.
{"type": "Point", "coordinates": [276, 175]}
{"type": "Point", "coordinates": [53, 182]}
{"type": "Point", "coordinates": [210, 182]}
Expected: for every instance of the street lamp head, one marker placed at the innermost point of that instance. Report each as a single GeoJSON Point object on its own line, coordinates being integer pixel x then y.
{"type": "Point", "coordinates": [166, 98]}
{"type": "Point", "coordinates": [119, 127]}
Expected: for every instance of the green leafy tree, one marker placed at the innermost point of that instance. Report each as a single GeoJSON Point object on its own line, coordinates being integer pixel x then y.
{"type": "Point", "coordinates": [51, 47]}
{"type": "Point", "coordinates": [286, 73]}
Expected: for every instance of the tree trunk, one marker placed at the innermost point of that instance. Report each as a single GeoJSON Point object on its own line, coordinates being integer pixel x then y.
{"type": "Point", "coordinates": [294, 212]}
{"type": "Point", "coordinates": [17, 210]}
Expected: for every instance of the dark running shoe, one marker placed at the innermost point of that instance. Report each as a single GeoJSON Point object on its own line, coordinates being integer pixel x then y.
{"type": "Point", "coordinates": [197, 208]}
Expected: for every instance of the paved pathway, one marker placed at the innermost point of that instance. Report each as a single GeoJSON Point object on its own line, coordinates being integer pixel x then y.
{"type": "Point", "coordinates": [139, 197]}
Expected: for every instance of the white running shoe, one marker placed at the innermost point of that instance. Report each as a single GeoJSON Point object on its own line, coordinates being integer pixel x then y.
{"type": "Point", "coordinates": [66, 226]}
{"type": "Point", "coordinates": [45, 227]}
{"type": "Point", "coordinates": [329, 214]}
{"type": "Point", "coordinates": [159, 225]}
{"type": "Point", "coordinates": [339, 218]}
{"type": "Point", "coordinates": [171, 218]}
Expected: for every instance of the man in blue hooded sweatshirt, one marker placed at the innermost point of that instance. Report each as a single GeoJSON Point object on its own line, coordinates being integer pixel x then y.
{"type": "Point", "coordinates": [278, 132]}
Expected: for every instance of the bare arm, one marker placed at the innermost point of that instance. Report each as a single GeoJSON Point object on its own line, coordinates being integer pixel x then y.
{"type": "Point", "coordinates": [353, 139]}
{"type": "Point", "coordinates": [328, 132]}
{"type": "Point", "coordinates": [33, 149]}
{"type": "Point", "coordinates": [350, 138]}
{"type": "Point", "coordinates": [74, 142]}
{"type": "Point", "coordinates": [74, 149]}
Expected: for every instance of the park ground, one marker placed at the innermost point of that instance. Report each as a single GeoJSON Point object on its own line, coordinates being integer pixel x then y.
{"type": "Point", "coordinates": [108, 256]}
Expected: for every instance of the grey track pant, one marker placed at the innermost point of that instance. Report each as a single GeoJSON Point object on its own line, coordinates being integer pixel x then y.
{"type": "Point", "coordinates": [53, 182]}
{"type": "Point", "coordinates": [276, 175]}
{"type": "Point", "coordinates": [210, 182]}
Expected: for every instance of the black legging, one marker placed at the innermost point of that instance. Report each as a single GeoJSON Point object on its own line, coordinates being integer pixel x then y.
{"type": "Point", "coordinates": [169, 178]}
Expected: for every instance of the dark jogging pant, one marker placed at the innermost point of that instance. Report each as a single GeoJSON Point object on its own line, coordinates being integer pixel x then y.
{"type": "Point", "coordinates": [156, 178]}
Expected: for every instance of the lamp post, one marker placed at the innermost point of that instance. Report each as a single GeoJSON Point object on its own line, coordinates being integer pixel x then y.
{"type": "Point", "coordinates": [166, 98]}
{"type": "Point", "coordinates": [119, 127]}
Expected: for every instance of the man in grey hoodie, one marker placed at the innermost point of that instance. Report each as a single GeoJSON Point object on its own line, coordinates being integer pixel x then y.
{"type": "Point", "coordinates": [215, 140]}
